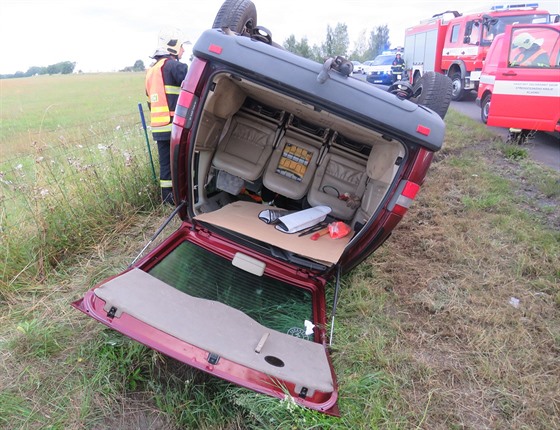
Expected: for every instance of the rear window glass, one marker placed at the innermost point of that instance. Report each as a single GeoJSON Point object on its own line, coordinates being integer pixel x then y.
{"type": "Point", "coordinates": [272, 303]}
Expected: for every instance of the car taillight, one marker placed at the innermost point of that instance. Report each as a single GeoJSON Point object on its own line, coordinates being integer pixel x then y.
{"type": "Point", "coordinates": [185, 109]}
{"type": "Point", "coordinates": [405, 194]}
{"type": "Point", "coordinates": [187, 102]}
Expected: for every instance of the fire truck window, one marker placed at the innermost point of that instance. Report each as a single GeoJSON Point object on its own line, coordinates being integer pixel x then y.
{"type": "Point", "coordinates": [475, 33]}
{"type": "Point", "coordinates": [455, 33]}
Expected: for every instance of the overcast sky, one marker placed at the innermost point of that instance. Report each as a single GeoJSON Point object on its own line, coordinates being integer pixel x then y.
{"type": "Point", "coordinates": [102, 35]}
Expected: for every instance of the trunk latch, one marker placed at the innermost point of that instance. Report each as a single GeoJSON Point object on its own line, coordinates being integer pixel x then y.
{"type": "Point", "coordinates": [303, 392]}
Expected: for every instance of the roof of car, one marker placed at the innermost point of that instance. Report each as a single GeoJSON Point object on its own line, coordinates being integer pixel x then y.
{"type": "Point", "coordinates": [281, 69]}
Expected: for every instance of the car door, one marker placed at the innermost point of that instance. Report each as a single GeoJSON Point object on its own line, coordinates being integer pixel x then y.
{"type": "Point", "coordinates": [527, 87]}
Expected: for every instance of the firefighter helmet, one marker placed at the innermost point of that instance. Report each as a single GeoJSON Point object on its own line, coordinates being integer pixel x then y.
{"type": "Point", "coordinates": [526, 40]}
{"type": "Point", "coordinates": [169, 42]}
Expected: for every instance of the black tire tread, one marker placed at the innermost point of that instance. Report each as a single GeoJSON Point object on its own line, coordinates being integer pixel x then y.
{"type": "Point", "coordinates": [435, 92]}
{"type": "Point", "coordinates": [234, 13]}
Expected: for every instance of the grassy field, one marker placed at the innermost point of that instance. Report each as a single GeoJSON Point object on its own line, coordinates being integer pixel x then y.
{"type": "Point", "coordinates": [35, 110]}
{"type": "Point", "coordinates": [453, 324]}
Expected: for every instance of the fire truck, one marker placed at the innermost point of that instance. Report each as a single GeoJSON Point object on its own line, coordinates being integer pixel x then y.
{"type": "Point", "coordinates": [456, 45]}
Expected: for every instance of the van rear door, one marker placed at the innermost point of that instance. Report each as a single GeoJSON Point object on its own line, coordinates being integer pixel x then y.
{"type": "Point", "coordinates": [527, 87]}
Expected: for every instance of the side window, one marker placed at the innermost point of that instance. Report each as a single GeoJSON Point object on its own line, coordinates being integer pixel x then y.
{"type": "Point", "coordinates": [534, 47]}
{"type": "Point", "coordinates": [455, 33]}
{"type": "Point", "coordinates": [472, 33]}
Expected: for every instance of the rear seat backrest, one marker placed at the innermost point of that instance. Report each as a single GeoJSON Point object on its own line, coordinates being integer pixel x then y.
{"type": "Point", "coordinates": [292, 165]}
{"type": "Point", "coordinates": [338, 174]}
{"type": "Point", "coordinates": [381, 169]}
{"type": "Point", "coordinates": [246, 146]}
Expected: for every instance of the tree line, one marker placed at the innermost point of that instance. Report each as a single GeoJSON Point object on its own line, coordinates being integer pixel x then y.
{"type": "Point", "coordinates": [337, 43]}
{"type": "Point", "coordinates": [64, 68]}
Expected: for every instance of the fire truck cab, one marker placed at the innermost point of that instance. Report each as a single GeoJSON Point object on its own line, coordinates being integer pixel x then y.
{"type": "Point", "coordinates": [520, 82]}
{"type": "Point", "coordinates": [456, 45]}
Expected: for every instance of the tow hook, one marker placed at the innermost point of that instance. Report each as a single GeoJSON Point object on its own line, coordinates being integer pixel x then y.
{"type": "Point", "coordinates": [339, 64]}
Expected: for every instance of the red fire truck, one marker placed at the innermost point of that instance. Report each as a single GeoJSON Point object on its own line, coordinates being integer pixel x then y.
{"type": "Point", "coordinates": [456, 44]}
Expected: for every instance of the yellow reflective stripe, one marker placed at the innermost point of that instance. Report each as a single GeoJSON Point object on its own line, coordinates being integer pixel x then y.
{"type": "Point", "coordinates": [158, 109]}
{"type": "Point", "coordinates": [165, 183]}
{"type": "Point", "coordinates": [172, 89]}
{"type": "Point", "coordinates": [161, 129]}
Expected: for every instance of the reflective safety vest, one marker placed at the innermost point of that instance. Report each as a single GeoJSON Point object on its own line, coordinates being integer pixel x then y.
{"type": "Point", "coordinates": [158, 92]}
{"type": "Point", "coordinates": [520, 61]}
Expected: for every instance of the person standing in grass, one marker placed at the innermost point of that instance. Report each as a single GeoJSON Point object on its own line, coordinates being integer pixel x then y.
{"type": "Point", "coordinates": [163, 83]}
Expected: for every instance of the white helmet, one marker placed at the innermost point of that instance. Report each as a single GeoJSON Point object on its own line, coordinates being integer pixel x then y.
{"type": "Point", "coordinates": [169, 42]}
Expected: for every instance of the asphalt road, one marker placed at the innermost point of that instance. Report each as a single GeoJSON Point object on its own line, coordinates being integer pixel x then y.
{"type": "Point", "coordinates": [543, 148]}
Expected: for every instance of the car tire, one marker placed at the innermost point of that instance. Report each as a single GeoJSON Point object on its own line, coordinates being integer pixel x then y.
{"type": "Point", "coordinates": [433, 90]}
{"type": "Point", "coordinates": [240, 16]}
{"type": "Point", "coordinates": [458, 87]}
{"type": "Point", "coordinates": [485, 108]}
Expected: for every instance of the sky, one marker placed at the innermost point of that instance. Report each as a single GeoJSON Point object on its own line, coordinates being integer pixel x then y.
{"type": "Point", "coordinates": [105, 35]}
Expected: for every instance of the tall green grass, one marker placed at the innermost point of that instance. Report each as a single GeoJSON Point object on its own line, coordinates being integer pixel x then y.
{"type": "Point", "coordinates": [87, 170]}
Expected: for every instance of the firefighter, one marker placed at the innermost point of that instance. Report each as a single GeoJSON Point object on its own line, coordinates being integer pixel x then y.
{"type": "Point", "coordinates": [398, 61]}
{"type": "Point", "coordinates": [397, 67]}
{"type": "Point", "coordinates": [530, 52]}
{"type": "Point", "coordinates": [163, 82]}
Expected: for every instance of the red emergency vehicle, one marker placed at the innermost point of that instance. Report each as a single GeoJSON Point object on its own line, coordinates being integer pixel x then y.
{"type": "Point", "coordinates": [520, 81]}
{"type": "Point", "coordinates": [456, 44]}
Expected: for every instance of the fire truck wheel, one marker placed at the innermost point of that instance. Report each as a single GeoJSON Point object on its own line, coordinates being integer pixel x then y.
{"type": "Point", "coordinates": [485, 108]}
{"type": "Point", "coordinates": [240, 16]}
{"type": "Point", "coordinates": [458, 87]}
{"type": "Point", "coordinates": [433, 90]}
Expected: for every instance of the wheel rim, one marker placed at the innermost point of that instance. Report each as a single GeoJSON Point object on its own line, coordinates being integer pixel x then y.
{"type": "Point", "coordinates": [485, 110]}
{"type": "Point", "coordinates": [457, 87]}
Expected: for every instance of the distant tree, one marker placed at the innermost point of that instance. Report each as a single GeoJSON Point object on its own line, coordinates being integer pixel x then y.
{"type": "Point", "coordinates": [67, 67]}
{"type": "Point", "coordinates": [360, 51]}
{"type": "Point", "coordinates": [300, 48]}
{"type": "Point", "coordinates": [337, 41]}
{"type": "Point", "coordinates": [378, 40]}
{"type": "Point", "coordinates": [36, 70]}
{"type": "Point", "coordinates": [138, 66]}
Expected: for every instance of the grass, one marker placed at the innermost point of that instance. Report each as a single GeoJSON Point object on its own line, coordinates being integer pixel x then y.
{"type": "Point", "coordinates": [34, 110]}
{"type": "Point", "coordinates": [427, 335]}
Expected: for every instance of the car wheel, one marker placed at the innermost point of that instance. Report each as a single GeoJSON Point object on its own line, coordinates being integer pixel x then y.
{"type": "Point", "coordinates": [240, 16]}
{"type": "Point", "coordinates": [433, 90]}
{"type": "Point", "coordinates": [458, 87]}
{"type": "Point", "coordinates": [485, 108]}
